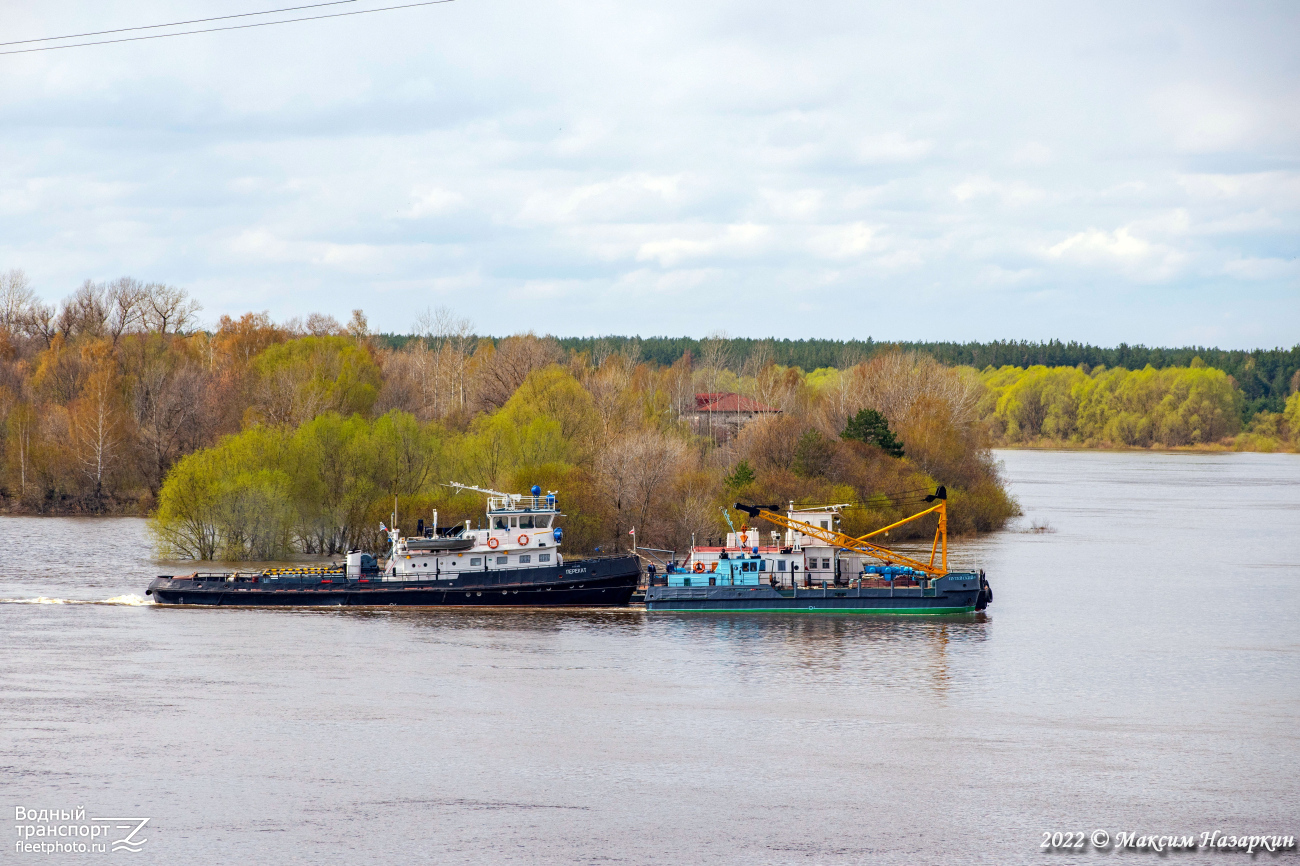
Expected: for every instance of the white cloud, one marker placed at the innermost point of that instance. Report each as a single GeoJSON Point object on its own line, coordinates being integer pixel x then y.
{"type": "Point", "coordinates": [506, 155]}
{"type": "Point", "coordinates": [706, 242]}
{"type": "Point", "coordinates": [1013, 193]}
{"type": "Point", "coordinates": [1120, 248]}
{"type": "Point", "coordinates": [433, 202]}
{"type": "Point", "coordinates": [840, 242]}
{"type": "Point", "coordinates": [892, 147]}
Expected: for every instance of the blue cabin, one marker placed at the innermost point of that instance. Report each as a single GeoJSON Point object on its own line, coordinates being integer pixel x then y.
{"type": "Point", "coordinates": [725, 572]}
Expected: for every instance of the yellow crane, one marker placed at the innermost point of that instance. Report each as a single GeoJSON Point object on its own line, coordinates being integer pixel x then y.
{"type": "Point", "coordinates": [861, 545]}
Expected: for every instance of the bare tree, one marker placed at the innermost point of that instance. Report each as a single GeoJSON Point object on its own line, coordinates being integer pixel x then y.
{"type": "Point", "coordinates": [714, 357]}
{"type": "Point", "coordinates": [634, 471]}
{"type": "Point", "coordinates": [694, 515]}
{"type": "Point", "coordinates": [459, 337]}
{"type": "Point", "coordinates": [22, 421]}
{"type": "Point", "coordinates": [85, 312]}
{"type": "Point", "coordinates": [428, 376]}
{"type": "Point", "coordinates": [408, 381]}
{"type": "Point", "coordinates": [893, 382]}
{"type": "Point", "coordinates": [609, 386]}
{"type": "Point", "coordinates": [16, 299]}
{"type": "Point", "coordinates": [125, 299]}
{"type": "Point", "coordinates": [284, 396]}
{"type": "Point", "coordinates": [358, 326]}
{"type": "Point", "coordinates": [454, 341]}
{"type": "Point", "coordinates": [503, 368]}
{"type": "Point", "coordinates": [680, 379]}
{"type": "Point", "coordinates": [321, 325]}
{"type": "Point", "coordinates": [168, 309]}
{"type": "Point", "coordinates": [96, 427]}
{"type": "Point", "coordinates": [167, 404]}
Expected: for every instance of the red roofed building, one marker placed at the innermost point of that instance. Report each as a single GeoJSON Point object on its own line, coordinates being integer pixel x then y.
{"type": "Point", "coordinates": [723, 414]}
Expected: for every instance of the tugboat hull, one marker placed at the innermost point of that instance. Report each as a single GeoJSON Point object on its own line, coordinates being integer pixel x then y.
{"type": "Point", "coordinates": [954, 593]}
{"type": "Point", "coordinates": [607, 582]}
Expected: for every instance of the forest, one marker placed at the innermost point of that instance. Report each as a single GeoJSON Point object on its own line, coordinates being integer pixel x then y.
{"type": "Point", "coordinates": [256, 439]}
{"type": "Point", "coordinates": [1266, 377]}
{"type": "Point", "coordinates": [1114, 407]}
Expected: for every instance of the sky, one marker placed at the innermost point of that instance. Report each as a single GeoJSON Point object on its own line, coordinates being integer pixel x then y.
{"type": "Point", "coordinates": [1106, 172]}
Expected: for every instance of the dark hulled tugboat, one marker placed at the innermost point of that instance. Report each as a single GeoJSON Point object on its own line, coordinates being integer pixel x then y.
{"type": "Point", "coordinates": [514, 561]}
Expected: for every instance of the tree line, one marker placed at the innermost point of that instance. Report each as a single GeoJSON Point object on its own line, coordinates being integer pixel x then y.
{"type": "Point", "coordinates": [1266, 377]}
{"type": "Point", "coordinates": [257, 438]}
{"type": "Point", "coordinates": [614, 436]}
{"type": "Point", "coordinates": [1109, 407]}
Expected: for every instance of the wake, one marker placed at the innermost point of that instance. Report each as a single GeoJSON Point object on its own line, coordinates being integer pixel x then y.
{"type": "Point", "coordinates": [130, 600]}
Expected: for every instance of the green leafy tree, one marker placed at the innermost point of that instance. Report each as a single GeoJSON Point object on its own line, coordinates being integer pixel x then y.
{"type": "Point", "coordinates": [303, 378]}
{"type": "Point", "coordinates": [813, 455]}
{"type": "Point", "coordinates": [871, 427]}
{"type": "Point", "coordinates": [740, 477]}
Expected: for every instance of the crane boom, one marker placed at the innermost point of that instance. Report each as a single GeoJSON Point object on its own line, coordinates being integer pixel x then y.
{"type": "Point", "coordinates": [861, 545]}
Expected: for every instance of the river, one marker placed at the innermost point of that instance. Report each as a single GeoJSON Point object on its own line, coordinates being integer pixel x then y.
{"type": "Point", "coordinates": [1138, 671]}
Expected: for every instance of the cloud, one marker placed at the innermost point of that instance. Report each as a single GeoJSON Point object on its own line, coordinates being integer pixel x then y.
{"type": "Point", "coordinates": [433, 202]}
{"type": "Point", "coordinates": [1120, 248]}
{"type": "Point", "coordinates": [1014, 193]}
{"type": "Point", "coordinates": [892, 147]}
{"type": "Point", "coordinates": [1092, 245]}
{"type": "Point", "coordinates": [1262, 269]}
{"type": "Point", "coordinates": [705, 242]}
{"type": "Point", "coordinates": [1011, 165]}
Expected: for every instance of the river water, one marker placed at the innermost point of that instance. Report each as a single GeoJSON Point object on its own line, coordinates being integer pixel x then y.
{"type": "Point", "coordinates": [1138, 671]}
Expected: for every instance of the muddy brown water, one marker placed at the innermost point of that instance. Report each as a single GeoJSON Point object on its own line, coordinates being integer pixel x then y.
{"type": "Point", "coordinates": [1138, 671]}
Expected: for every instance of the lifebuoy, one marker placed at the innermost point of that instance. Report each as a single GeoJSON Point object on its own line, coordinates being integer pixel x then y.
{"type": "Point", "coordinates": [523, 540]}
{"type": "Point", "coordinates": [492, 543]}
{"type": "Point", "coordinates": [699, 568]}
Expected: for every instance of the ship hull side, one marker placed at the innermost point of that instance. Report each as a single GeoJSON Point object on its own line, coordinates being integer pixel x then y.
{"type": "Point", "coordinates": [947, 597]}
{"type": "Point", "coordinates": [583, 583]}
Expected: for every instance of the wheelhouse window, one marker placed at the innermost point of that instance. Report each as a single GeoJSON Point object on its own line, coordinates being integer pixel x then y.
{"type": "Point", "coordinates": [526, 522]}
{"type": "Point", "coordinates": [499, 523]}
{"type": "Point", "coordinates": [826, 564]}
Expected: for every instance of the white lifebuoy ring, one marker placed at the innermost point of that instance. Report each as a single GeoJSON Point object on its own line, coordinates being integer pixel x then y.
{"type": "Point", "coordinates": [523, 540]}
{"type": "Point", "coordinates": [492, 543]}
